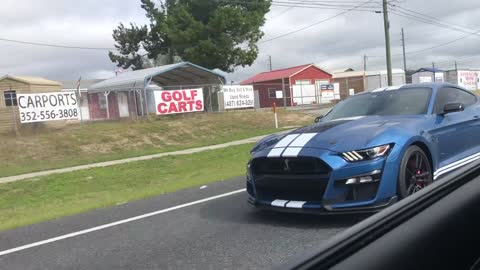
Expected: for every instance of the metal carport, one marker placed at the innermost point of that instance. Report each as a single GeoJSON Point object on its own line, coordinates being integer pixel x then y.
{"type": "Point", "coordinates": [174, 76]}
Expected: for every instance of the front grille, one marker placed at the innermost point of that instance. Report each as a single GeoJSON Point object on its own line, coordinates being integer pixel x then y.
{"type": "Point", "coordinates": [289, 166]}
{"type": "Point", "coordinates": [304, 179]}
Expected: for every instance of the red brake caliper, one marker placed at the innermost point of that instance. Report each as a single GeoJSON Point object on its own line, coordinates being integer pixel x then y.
{"type": "Point", "coordinates": [419, 183]}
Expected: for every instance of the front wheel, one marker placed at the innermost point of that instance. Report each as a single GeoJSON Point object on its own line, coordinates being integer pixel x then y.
{"type": "Point", "coordinates": [415, 172]}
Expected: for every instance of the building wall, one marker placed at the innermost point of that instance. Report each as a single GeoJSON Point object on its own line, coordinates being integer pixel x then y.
{"type": "Point", "coordinates": [9, 118]}
{"type": "Point", "coordinates": [416, 76]}
{"type": "Point", "coordinates": [311, 73]}
{"type": "Point", "coordinates": [263, 93]}
{"type": "Point", "coordinates": [99, 113]}
{"type": "Point", "coordinates": [355, 83]}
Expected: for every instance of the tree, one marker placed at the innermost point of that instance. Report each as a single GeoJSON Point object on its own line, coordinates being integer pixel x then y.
{"type": "Point", "coordinates": [212, 33]}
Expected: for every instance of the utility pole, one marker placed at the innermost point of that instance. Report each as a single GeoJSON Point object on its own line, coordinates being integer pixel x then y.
{"type": "Point", "coordinates": [456, 68]}
{"type": "Point", "coordinates": [270, 62]}
{"type": "Point", "coordinates": [364, 64]}
{"type": "Point", "coordinates": [433, 64]}
{"type": "Point", "coordinates": [364, 72]}
{"type": "Point", "coordinates": [386, 25]}
{"type": "Point", "coordinates": [404, 56]}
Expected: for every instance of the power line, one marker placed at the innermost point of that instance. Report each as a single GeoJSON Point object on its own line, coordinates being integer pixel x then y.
{"type": "Point", "coordinates": [56, 45]}
{"type": "Point", "coordinates": [434, 18]}
{"type": "Point", "coordinates": [313, 24]}
{"type": "Point", "coordinates": [416, 18]}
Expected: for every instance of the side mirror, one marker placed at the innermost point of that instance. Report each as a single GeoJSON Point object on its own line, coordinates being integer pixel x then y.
{"type": "Point", "coordinates": [318, 118]}
{"type": "Point", "coordinates": [452, 107]}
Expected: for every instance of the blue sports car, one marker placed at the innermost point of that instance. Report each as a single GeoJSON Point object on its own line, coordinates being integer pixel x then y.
{"type": "Point", "coordinates": [369, 151]}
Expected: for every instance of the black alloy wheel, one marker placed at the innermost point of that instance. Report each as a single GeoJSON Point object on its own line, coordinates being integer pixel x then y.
{"type": "Point", "coordinates": [415, 172]}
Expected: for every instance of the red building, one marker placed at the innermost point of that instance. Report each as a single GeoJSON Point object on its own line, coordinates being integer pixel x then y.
{"type": "Point", "coordinates": [286, 85]}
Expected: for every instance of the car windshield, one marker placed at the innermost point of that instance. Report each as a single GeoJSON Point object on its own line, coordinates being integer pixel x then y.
{"type": "Point", "coordinates": [395, 102]}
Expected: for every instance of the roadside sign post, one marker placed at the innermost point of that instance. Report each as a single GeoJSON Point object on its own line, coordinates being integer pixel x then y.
{"type": "Point", "coordinates": [275, 114]}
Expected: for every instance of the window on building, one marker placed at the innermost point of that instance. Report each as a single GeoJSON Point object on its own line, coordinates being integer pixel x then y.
{"type": "Point", "coordinates": [10, 98]}
{"type": "Point", "coordinates": [302, 82]}
{"type": "Point", "coordinates": [102, 101]}
{"type": "Point", "coordinates": [272, 93]}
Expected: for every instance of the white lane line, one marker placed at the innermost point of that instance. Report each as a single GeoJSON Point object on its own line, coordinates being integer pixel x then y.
{"type": "Point", "coordinates": [116, 223]}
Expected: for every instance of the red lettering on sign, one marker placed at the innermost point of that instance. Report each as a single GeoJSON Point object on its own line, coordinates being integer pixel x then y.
{"type": "Point", "coordinates": [186, 97]}
{"type": "Point", "coordinates": [172, 108]}
{"type": "Point", "coordinates": [198, 105]}
{"type": "Point", "coordinates": [182, 106]}
{"type": "Point", "coordinates": [166, 96]}
{"type": "Point", "coordinates": [161, 109]}
{"type": "Point", "coordinates": [177, 96]}
{"type": "Point", "coordinates": [193, 93]}
{"type": "Point", "coordinates": [190, 105]}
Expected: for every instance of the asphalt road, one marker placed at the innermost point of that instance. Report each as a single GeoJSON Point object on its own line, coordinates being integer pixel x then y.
{"type": "Point", "coordinates": [222, 233]}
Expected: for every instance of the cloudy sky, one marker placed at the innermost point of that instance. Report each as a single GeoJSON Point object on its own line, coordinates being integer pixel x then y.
{"type": "Point", "coordinates": [335, 44]}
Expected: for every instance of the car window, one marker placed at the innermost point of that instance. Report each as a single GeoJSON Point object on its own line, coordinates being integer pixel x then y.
{"type": "Point", "coordinates": [452, 95]}
{"type": "Point", "coordinates": [395, 102]}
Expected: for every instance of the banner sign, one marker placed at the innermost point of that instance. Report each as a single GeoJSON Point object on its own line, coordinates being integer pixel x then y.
{"type": "Point", "coordinates": [238, 96]}
{"type": "Point", "coordinates": [179, 101]}
{"type": "Point", "coordinates": [40, 107]}
{"type": "Point", "coordinates": [467, 79]}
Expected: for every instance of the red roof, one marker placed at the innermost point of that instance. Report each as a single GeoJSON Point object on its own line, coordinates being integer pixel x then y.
{"type": "Point", "coordinates": [275, 74]}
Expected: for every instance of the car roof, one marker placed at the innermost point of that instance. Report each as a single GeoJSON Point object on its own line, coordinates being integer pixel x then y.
{"type": "Point", "coordinates": [433, 86]}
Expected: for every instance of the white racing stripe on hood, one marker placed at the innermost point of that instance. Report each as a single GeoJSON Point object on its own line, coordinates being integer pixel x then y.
{"type": "Point", "coordinates": [286, 140]}
{"type": "Point", "coordinates": [292, 152]}
{"type": "Point", "coordinates": [302, 140]}
{"type": "Point", "coordinates": [275, 152]}
{"type": "Point", "coordinates": [296, 146]}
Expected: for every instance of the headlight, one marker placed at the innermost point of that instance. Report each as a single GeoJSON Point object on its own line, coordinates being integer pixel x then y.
{"type": "Point", "coordinates": [365, 154]}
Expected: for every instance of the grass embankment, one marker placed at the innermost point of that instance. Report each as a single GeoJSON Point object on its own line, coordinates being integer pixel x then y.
{"type": "Point", "coordinates": [39, 199]}
{"type": "Point", "coordinates": [101, 141]}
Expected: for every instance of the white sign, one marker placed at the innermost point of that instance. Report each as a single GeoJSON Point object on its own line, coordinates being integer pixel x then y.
{"type": "Point", "coordinates": [40, 107]}
{"type": "Point", "coordinates": [279, 94]}
{"type": "Point", "coordinates": [425, 79]}
{"type": "Point", "coordinates": [467, 79]}
{"type": "Point", "coordinates": [327, 91]}
{"type": "Point", "coordinates": [238, 96]}
{"type": "Point", "coordinates": [179, 101]}
{"type": "Point", "coordinates": [351, 92]}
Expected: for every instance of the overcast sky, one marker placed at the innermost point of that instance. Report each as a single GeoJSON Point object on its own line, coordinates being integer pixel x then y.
{"type": "Point", "coordinates": [336, 44]}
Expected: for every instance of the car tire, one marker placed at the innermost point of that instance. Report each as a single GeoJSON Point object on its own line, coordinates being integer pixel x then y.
{"type": "Point", "coordinates": [415, 172]}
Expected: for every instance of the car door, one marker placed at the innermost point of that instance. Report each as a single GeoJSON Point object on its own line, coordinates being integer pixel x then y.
{"type": "Point", "coordinates": [455, 133]}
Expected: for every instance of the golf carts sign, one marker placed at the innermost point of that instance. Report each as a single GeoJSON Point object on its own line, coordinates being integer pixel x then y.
{"type": "Point", "coordinates": [179, 101]}
{"type": "Point", "coordinates": [40, 107]}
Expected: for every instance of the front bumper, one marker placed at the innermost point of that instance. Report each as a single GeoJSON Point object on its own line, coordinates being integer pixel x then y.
{"type": "Point", "coordinates": [327, 209]}
{"type": "Point", "coordinates": [334, 195]}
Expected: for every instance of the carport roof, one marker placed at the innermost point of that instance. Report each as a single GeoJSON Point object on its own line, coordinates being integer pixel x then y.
{"type": "Point", "coordinates": [180, 74]}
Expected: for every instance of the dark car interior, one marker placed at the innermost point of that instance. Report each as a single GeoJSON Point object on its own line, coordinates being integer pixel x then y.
{"type": "Point", "coordinates": [436, 228]}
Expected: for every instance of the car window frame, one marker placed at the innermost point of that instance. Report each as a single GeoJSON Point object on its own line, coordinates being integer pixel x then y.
{"type": "Point", "coordinates": [434, 109]}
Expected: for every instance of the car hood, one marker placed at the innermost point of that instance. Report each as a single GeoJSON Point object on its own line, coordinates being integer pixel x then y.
{"type": "Point", "coordinates": [348, 134]}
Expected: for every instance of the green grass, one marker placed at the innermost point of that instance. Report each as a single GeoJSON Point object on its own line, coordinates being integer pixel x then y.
{"type": "Point", "coordinates": [42, 149]}
{"type": "Point", "coordinates": [40, 199]}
